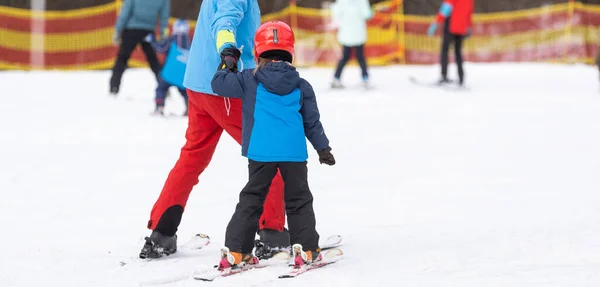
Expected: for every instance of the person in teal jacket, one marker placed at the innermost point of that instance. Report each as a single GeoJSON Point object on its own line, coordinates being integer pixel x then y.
{"type": "Point", "coordinates": [221, 24]}
{"type": "Point", "coordinates": [137, 19]}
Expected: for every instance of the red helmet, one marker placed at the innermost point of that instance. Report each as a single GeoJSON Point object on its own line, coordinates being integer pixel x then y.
{"type": "Point", "coordinates": [274, 35]}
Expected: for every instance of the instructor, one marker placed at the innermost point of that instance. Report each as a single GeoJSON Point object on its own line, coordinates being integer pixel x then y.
{"type": "Point", "coordinates": [221, 24]}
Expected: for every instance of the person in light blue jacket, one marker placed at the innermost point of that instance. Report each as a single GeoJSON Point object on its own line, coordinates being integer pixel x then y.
{"type": "Point", "coordinates": [137, 19]}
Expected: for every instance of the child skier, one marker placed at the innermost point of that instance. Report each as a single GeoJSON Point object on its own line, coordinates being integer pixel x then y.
{"type": "Point", "coordinates": [176, 48]}
{"type": "Point", "coordinates": [279, 112]}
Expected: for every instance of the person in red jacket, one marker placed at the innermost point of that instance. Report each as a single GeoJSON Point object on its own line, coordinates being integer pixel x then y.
{"type": "Point", "coordinates": [456, 15]}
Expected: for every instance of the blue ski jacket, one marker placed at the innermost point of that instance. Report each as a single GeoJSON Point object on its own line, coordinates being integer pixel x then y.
{"type": "Point", "coordinates": [242, 17]}
{"type": "Point", "coordinates": [279, 112]}
{"type": "Point", "coordinates": [176, 47]}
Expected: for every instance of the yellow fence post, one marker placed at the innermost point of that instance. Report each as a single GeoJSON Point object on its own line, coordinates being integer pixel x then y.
{"type": "Point", "coordinates": [401, 33]}
{"type": "Point", "coordinates": [118, 8]}
{"type": "Point", "coordinates": [568, 30]}
{"type": "Point", "coordinates": [293, 12]}
{"type": "Point", "coordinates": [293, 15]}
{"type": "Point", "coordinates": [37, 37]}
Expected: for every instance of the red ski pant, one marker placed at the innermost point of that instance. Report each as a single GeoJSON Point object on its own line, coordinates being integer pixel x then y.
{"type": "Point", "coordinates": [207, 118]}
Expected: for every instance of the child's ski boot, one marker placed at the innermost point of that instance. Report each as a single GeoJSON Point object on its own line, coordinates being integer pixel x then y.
{"type": "Point", "coordinates": [235, 260]}
{"type": "Point", "coordinates": [158, 245]}
{"type": "Point", "coordinates": [302, 258]}
{"type": "Point", "coordinates": [159, 111]}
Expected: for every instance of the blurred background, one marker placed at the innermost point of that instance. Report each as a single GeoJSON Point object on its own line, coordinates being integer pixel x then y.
{"type": "Point", "coordinates": [76, 35]}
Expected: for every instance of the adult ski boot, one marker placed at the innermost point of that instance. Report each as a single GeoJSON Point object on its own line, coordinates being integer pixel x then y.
{"type": "Point", "coordinates": [271, 242]}
{"type": "Point", "coordinates": [158, 245]}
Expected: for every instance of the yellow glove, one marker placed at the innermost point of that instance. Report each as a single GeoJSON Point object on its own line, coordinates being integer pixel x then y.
{"type": "Point", "coordinates": [225, 38]}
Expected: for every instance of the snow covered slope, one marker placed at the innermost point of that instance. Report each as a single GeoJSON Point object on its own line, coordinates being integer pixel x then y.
{"type": "Point", "coordinates": [495, 186]}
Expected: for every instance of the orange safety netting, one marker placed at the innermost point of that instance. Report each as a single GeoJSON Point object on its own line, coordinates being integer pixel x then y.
{"type": "Point", "coordinates": [82, 38]}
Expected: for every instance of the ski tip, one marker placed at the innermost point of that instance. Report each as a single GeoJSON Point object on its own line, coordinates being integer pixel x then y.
{"type": "Point", "coordinates": [333, 252]}
{"type": "Point", "coordinates": [202, 235]}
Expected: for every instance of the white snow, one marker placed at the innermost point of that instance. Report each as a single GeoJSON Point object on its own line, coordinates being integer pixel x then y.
{"type": "Point", "coordinates": [495, 186]}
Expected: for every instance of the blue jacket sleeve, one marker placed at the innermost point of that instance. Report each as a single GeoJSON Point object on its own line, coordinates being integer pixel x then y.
{"type": "Point", "coordinates": [310, 114]}
{"type": "Point", "coordinates": [229, 84]}
{"type": "Point", "coordinates": [164, 16]}
{"type": "Point", "coordinates": [445, 10]}
{"type": "Point", "coordinates": [228, 16]}
{"type": "Point", "coordinates": [123, 15]}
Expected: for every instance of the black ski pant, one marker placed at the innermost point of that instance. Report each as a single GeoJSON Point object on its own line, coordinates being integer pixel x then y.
{"type": "Point", "coordinates": [360, 57]}
{"type": "Point", "coordinates": [130, 38]}
{"type": "Point", "coordinates": [242, 227]}
{"type": "Point", "coordinates": [447, 40]}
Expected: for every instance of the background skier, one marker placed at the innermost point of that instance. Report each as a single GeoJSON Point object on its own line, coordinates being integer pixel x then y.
{"type": "Point", "coordinates": [456, 15]}
{"type": "Point", "coordinates": [350, 17]}
{"type": "Point", "coordinates": [137, 19]}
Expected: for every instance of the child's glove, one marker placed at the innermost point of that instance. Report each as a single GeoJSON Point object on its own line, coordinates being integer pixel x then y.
{"type": "Point", "coordinates": [468, 34]}
{"type": "Point", "coordinates": [149, 38]}
{"type": "Point", "coordinates": [165, 34]}
{"type": "Point", "coordinates": [229, 59]}
{"type": "Point", "coordinates": [432, 28]}
{"type": "Point", "coordinates": [325, 156]}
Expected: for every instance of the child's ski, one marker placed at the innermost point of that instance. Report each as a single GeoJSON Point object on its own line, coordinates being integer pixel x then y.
{"type": "Point", "coordinates": [329, 257]}
{"type": "Point", "coordinates": [210, 275]}
{"type": "Point", "coordinates": [331, 242]}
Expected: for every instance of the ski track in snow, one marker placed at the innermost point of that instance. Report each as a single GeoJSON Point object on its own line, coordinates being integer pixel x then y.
{"type": "Point", "coordinates": [495, 186]}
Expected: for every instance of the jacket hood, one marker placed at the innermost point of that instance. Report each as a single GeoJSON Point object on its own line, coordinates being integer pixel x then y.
{"type": "Point", "coordinates": [279, 77]}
